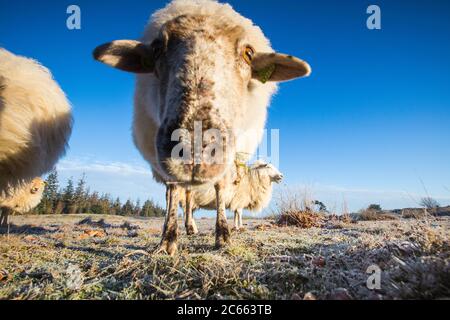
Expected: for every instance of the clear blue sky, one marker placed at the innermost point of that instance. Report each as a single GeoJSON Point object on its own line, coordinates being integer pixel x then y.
{"type": "Point", "coordinates": [371, 121]}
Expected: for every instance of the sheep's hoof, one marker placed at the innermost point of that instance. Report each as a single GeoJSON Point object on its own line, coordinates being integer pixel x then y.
{"type": "Point", "coordinates": [191, 230]}
{"type": "Point", "coordinates": [167, 247]}
{"type": "Point", "coordinates": [223, 241]}
{"type": "Point", "coordinates": [3, 220]}
{"type": "Point", "coordinates": [239, 229]}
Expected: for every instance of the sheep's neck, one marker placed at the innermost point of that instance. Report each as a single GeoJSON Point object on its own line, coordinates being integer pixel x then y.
{"type": "Point", "coordinates": [261, 189]}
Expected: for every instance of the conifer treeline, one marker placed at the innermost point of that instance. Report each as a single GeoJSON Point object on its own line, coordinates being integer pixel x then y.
{"type": "Point", "coordinates": [78, 198]}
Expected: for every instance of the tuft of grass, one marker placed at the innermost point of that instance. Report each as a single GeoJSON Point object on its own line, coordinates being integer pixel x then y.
{"type": "Point", "coordinates": [297, 209]}
{"type": "Point", "coordinates": [304, 219]}
{"type": "Point", "coordinates": [242, 251]}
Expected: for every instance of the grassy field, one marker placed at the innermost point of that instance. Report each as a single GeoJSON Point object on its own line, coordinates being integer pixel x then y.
{"type": "Point", "coordinates": [110, 257]}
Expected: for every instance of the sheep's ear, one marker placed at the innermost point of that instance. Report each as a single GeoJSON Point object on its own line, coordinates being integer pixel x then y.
{"type": "Point", "coordinates": [127, 55]}
{"type": "Point", "coordinates": [278, 67]}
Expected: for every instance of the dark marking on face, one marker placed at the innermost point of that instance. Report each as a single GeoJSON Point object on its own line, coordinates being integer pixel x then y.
{"type": "Point", "coordinates": [196, 46]}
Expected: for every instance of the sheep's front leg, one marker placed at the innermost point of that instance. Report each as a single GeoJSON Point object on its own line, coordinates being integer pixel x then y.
{"type": "Point", "coordinates": [170, 230]}
{"type": "Point", "coordinates": [4, 217]}
{"type": "Point", "coordinates": [222, 230]}
{"type": "Point", "coordinates": [191, 226]}
{"type": "Point", "coordinates": [238, 219]}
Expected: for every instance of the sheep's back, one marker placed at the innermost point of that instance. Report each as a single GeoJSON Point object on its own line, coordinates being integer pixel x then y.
{"type": "Point", "coordinates": [35, 119]}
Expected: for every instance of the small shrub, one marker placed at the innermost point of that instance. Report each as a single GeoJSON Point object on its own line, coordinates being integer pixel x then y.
{"type": "Point", "coordinates": [414, 213]}
{"type": "Point", "coordinates": [321, 207]}
{"type": "Point", "coordinates": [372, 215]}
{"type": "Point", "coordinates": [374, 207]}
{"type": "Point", "coordinates": [300, 218]}
{"type": "Point", "coordinates": [429, 203]}
{"type": "Point", "coordinates": [295, 208]}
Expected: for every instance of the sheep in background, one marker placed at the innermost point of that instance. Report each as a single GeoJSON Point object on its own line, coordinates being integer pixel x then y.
{"type": "Point", "coordinates": [250, 189]}
{"type": "Point", "coordinates": [35, 121]}
{"type": "Point", "coordinates": [199, 61]}
{"type": "Point", "coordinates": [21, 199]}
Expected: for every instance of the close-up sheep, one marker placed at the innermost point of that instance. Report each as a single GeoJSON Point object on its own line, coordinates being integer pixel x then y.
{"type": "Point", "coordinates": [35, 123]}
{"type": "Point", "coordinates": [199, 61]}
{"type": "Point", "coordinates": [248, 188]}
{"type": "Point", "coordinates": [186, 150]}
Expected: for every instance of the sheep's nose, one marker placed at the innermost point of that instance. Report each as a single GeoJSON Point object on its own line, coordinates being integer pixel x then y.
{"type": "Point", "coordinates": [193, 173]}
{"type": "Point", "coordinates": [193, 160]}
{"type": "Point", "coordinates": [202, 172]}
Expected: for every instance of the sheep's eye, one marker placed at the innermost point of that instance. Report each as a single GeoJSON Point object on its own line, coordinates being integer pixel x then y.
{"type": "Point", "coordinates": [157, 48]}
{"type": "Point", "coordinates": [248, 54]}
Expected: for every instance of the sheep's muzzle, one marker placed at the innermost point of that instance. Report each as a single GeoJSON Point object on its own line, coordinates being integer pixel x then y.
{"type": "Point", "coordinates": [199, 153]}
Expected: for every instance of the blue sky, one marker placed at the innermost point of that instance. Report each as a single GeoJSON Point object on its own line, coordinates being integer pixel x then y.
{"type": "Point", "coordinates": [369, 124]}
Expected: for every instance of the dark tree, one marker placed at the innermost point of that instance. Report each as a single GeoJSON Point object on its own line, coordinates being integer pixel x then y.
{"type": "Point", "coordinates": [429, 203]}
{"type": "Point", "coordinates": [68, 196]}
{"type": "Point", "coordinates": [50, 195]}
{"type": "Point", "coordinates": [79, 197]}
{"type": "Point", "coordinates": [137, 208]}
{"type": "Point", "coordinates": [116, 207]}
{"type": "Point", "coordinates": [321, 206]}
{"type": "Point", "coordinates": [150, 209]}
{"type": "Point", "coordinates": [374, 207]}
{"type": "Point", "coordinates": [127, 208]}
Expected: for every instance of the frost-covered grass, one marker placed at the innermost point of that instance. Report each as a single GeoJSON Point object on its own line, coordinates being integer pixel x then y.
{"type": "Point", "coordinates": [110, 257]}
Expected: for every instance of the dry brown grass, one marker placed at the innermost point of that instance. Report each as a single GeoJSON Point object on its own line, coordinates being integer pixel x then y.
{"type": "Point", "coordinates": [347, 218]}
{"type": "Point", "coordinates": [300, 218]}
{"type": "Point", "coordinates": [296, 208]}
{"type": "Point", "coordinates": [415, 213]}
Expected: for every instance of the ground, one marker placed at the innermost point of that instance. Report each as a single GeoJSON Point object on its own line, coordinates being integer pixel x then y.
{"type": "Point", "coordinates": [110, 257]}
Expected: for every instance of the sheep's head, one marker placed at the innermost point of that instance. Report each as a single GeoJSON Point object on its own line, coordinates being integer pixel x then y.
{"type": "Point", "coordinates": [267, 170]}
{"type": "Point", "coordinates": [205, 67]}
{"type": "Point", "coordinates": [36, 190]}
{"type": "Point", "coordinates": [37, 186]}
{"type": "Point", "coordinates": [27, 196]}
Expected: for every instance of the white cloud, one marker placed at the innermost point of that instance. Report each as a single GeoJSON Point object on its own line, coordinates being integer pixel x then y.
{"type": "Point", "coordinates": [120, 168]}
{"type": "Point", "coordinates": [132, 180]}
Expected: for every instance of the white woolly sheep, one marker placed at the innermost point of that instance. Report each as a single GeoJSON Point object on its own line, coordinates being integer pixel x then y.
{"type": "Point", "coordinates": [21, 199]}
{"type": "Point", "coordinates": [251, 189]}
{"type": "Point", "coordinates": [199, 61]}
{"type": "Point", "coordinates": [35, 121]}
